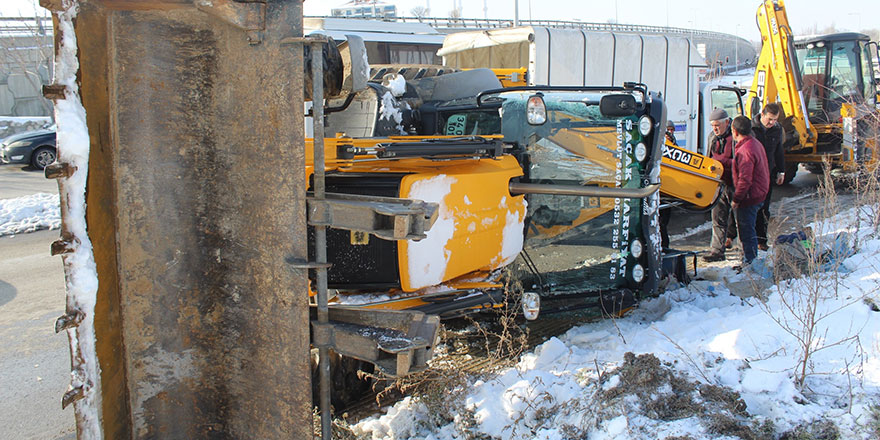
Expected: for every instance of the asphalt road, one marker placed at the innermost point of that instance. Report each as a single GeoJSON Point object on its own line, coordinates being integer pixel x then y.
{"type": "Point", "coordinates": [792, 206]}
{"type": "Point", "coordinates": [34, 361]}
{"type": "Point", "coordinates": [18, 180]}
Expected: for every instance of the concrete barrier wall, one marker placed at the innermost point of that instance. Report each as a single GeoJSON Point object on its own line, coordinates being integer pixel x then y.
{"type": "Point", "coordinates": [25, 66]}
{"type": "Point", "coordinates": [22, 96]}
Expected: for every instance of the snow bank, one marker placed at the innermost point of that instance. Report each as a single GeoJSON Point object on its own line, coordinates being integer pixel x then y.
{"type": "Point", "coordinates": [713, 341]}
{"type": "Point", "coordinates": [29, 214]}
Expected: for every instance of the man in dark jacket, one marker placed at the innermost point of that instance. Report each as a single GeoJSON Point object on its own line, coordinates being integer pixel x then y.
{"type": "Point", "coordinates": [721, 149]}
{"type": "Point", "coordinates": [751, 180]}
{"type": "Point", "coordinates": [767, 131]}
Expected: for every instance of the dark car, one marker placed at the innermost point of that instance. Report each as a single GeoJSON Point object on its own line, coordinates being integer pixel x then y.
{"type": "Point", "coordinates": [36, 148]}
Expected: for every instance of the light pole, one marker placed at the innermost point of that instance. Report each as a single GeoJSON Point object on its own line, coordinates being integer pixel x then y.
{"type": "Point", "coordinates": [515, 13]}
{"type": "Point", "coordinates": [736, 50]}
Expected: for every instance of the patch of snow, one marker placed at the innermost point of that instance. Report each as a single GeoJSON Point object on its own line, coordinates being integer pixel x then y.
{"type": "Point", "coordinates": [691, 231]}
{"type": "Point", "coordinates": [428, 257]}
{"type": "Point", "coordinates": [704, 333]}
{"type": "Point", "coordinates": [82, 279]}
{"type": "Point", "coordinates": [389, 111]}
{"type": "Point", "coordinates": [358, 299]}
{"type": "Point", "coordinates": [29, 214]}
{"type": "Point", "coordinates": [397, 85]}
{"type": "Point", "coordinates": [512, 234]}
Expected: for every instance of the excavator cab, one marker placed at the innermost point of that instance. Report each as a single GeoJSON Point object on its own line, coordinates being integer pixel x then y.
{"type": "Point", "coordinates": [837, 69]}
{"type": "Point", "coordinates": [839, 89]}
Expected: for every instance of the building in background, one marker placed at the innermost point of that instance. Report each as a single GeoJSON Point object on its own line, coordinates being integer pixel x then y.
{"type": "Point", "coordinates": [365, 9]}
{"type": "Point", "coordinates": [26, 63]}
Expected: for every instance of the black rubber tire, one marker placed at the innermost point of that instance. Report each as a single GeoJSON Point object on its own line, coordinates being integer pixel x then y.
{"type": "Point", "coordinates": [42, 157]}
{"type": "Point", "coordinates": [815, 168]}
{"type": "Point", "coordinates": [791, 170]}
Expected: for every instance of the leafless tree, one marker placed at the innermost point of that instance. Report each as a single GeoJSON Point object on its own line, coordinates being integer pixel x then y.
{"type": "Point", "coordinates": [26, 48]}
{"type": "Point", "coordinates": [420, 11]}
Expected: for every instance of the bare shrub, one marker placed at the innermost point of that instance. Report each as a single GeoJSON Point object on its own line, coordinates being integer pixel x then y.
{"type": "Point", "coordinates": [442, 387]}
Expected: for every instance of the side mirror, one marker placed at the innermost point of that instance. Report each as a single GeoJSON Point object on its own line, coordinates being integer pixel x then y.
{"type": "Point", "coordinates": [617, 105]}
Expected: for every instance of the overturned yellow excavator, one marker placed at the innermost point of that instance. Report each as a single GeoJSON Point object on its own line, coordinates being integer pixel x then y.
{"type": "Point", "coordinates": [567, 177]}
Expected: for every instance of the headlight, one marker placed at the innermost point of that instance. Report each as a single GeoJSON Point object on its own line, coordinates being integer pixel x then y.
{"type": "Point", "coordinates": [645, 124]}
{"type": "Point", "coordinates": [531, 305]}
{"type": "Point", "coordinates": [19, 144]}
{"type": "Point", "coordinates": [638, 273]}
{"type": "Point", "coordinates": [536, 112]}
{"type": "Point", "coordinates": [641, 152]}
{"type": "Point", "coordinates": [636, 248]}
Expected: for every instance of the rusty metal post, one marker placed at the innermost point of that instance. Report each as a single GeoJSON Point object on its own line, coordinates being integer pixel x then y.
{"type": "Point", "coordinates": [195, 203]}
{"type": "Point", "coordinates": [321, 232]}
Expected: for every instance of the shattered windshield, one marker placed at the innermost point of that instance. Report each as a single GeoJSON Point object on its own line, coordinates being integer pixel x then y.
{"type": "Point", "coordinates": [579, 243]}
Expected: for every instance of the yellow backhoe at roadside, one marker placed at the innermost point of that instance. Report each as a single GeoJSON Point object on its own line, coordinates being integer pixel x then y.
{"type": "Point", "coordinates": [826, 87]}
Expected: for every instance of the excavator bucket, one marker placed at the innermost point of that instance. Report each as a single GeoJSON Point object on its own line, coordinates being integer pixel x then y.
{"type": "Point", "coordinates": [196, 206]}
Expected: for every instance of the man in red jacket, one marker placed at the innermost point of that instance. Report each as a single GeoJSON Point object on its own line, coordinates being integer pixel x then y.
{"type": "Point", "coordinates": [751, 182]}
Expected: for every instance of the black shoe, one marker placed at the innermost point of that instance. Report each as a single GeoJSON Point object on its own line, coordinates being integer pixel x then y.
{"type": "Point", "coordinates": [712, 257]}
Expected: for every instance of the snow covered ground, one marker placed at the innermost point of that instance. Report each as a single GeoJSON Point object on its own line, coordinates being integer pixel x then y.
{"type": "Point", "coordinates": [708, 361]}
{"type": "Point", "coordinates": [29, 214]}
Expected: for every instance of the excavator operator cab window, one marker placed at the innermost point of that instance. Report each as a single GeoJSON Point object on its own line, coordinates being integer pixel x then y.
{"type": "Point", "coordinates": [867, 63]}
{"type": "Point", "coordinates": [812, 61]}
{"type": "Point", "coordinates": [845, 74]}
{"type": "Point", "coordinates": [473, 123]}
{"type": "Point", "coordinates": [583, 243]}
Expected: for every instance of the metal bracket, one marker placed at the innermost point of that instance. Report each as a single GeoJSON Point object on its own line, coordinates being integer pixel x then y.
{"type": "Point", "coordinates": [248, 16]}
{"type": "Point", "coordinates": [58, 170]}
{"type": "Point", "coordinates": [69, 320]}
{"type": "Point", "coordinates": [297, 263]}
{"type": "Point", "coordinates": [64, 245]}
{"type": "Point", "coordinates": [308, 39]}
{"type": "Point", "coordinates": [54, 91]}
{"type": "Point", "coordinates": [388, 218]}
{"type": "Point", "coordinates": [397, 342]}
{"type": "Point", "coordinates": [72, 395]}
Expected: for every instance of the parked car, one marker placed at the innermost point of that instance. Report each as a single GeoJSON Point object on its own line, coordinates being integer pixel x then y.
{"type": "Point", "coordinates": [36, 148]}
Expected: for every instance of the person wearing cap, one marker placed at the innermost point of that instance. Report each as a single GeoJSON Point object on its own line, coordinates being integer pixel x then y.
{"type": "Point", "coordinates": [666, 213]}
{"type": "Point", "coordinates": [751, 180]}
{"type": "Point", "coordinates": [670, 132]}
{"type": "Point", "coordinates": [766, 129]}
{"type": "Point", "coordinates": [721, 149]}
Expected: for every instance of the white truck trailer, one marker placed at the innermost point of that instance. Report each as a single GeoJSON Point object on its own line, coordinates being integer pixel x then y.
{"type": "Point", "coordinates": [667, 63]}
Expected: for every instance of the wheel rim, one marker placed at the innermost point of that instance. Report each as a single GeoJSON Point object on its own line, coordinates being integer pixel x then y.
{"type": "Point", "coordinates": [44, 158]}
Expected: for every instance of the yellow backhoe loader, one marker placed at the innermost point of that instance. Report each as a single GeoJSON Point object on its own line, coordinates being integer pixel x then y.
{"type": "Point", "coordinates": [827, 90]}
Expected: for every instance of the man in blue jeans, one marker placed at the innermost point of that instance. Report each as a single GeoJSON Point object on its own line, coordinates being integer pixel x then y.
{"type": "Point", "coordinates": [751, 182]}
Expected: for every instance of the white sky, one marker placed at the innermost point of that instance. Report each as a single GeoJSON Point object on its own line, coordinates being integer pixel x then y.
{"type": "Point", "coordinates": [729, 16]}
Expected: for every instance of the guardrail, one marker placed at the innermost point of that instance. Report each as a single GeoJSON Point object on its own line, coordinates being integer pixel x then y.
{"type": "Point", "coordinates": [449, 23]}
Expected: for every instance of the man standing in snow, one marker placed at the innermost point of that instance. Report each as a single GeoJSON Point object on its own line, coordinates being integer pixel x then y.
{"type": "Point", "coordinates": [721, 147]}
{"type": "Point", "coordinates": [751, 181]}
{"type": "Point", "coordinates": [767, 131]}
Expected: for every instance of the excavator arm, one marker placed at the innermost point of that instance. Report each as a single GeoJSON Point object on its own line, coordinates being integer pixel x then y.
{"type": "Point", "coordinates": [777, 76]}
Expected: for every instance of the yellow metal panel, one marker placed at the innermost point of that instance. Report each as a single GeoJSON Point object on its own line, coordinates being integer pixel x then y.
{"type": "Point", "coordinates": [689, 176]}
{"type": "Point", "coordinates": [478, 219]}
